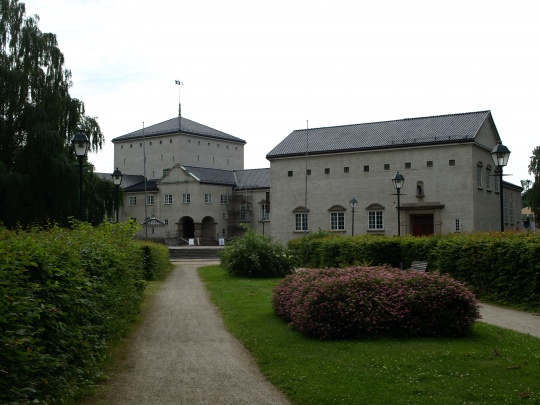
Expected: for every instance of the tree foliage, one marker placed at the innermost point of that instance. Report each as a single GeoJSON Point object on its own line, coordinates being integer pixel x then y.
{"type": "Point", "coordinates": [532, 193]}
{"type": "Point", "coordinates": [38, 118]}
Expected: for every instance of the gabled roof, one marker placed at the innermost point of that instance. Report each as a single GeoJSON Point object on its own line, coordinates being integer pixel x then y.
{"type": "Point", "coordinates": [175, 125]}
{"type": "Point", "coordinates": [382, 135]}
{"type": "Point", "coordinates": [253, 178]}
{"type": "Point", "coordinates": [250, 178]}
{"type": "Point", "coordinates": [151, 186]}
{"type": "Point", "coordinates": [211, 176]}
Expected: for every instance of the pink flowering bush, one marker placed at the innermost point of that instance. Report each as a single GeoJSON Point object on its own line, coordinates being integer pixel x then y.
{"type": "Point", "coordinates": [374, 302]}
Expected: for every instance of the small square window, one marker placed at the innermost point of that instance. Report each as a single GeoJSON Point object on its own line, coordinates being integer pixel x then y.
{"type": "Point", "coordinates": [166, 221]}
{"type": "Point", "coordinates": [429, 163]}
{"type": "Point", "coordinates": [122, 147]}
{"type": "Point", "coordinates": [290, 173]}
{"type": "Point", "coordinates": [386, 166]}
{"type": "Point", "coordinates": [327, 170]}
{"type": "Point", "coordinates": [132, 200]}
{"type": "Point", "coordinates": [407, 165]}
{"type": "Point", "coordinates": [308, 172]}
{"type": "Point", "coordinates": [150, 143]}
{"type": "Point", "coordinates": [451, 162]}
{"type": "Point", "coordinates": [346, 169]}
{"type": "Point", "coordinates": [161, 142]}
{"type": "Point", "coordinates": [366, 168]}
{"type": "Point", "coordinates": [131, 145]}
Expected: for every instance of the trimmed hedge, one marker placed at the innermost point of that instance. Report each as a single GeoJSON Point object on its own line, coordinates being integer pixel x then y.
{"type": "Point", "coordinates": [65, 297]}
{"type": "Point", "coordinates": [500, 267]}
{"type": "Point", "coordinates": [255, 255]}
{"type": "Point", "coordinates": [374, 302]}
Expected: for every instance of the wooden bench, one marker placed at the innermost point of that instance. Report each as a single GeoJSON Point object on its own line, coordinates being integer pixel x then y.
{"type": "Point", "coordinates": [419, 266]}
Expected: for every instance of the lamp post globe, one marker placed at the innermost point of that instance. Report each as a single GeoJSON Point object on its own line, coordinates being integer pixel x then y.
{"type": "Point", "coordinates": [117, 180]}
{"type": "Point", "coordinates": [500, 155]}
{"type": "Point", "coordinates": [80, 144]}
{"type": "Point", "coordinates": [353, 203]}
{"type": "Point", "coordinates": [398, 180]}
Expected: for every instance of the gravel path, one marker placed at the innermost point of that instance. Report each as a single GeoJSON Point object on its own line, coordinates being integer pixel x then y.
{"type": "Point", "coordinates": [523, 322]}
{"type": "Point", "coordinates": [181, 353]}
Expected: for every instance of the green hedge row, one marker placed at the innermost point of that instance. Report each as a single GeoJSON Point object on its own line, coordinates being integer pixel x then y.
{"type": "Point", "coordinates": [501, 267]}
{"type": "Point", "coordinates": [66, 295]}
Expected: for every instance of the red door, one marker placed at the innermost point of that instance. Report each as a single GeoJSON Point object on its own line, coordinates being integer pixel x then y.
{"type": "Point", "coordinates": [422, 225]}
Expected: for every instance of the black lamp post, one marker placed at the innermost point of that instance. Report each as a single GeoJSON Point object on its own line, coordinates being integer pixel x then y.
{"type": "Point", "coordinates": [353, 203]}
{"type": "Point", "coordinates": [500, 155]}
{"type": "Point", "coordinates": [80, 144]}
{"type": "Point", "coordinates": [398, 181]}
{"type": "Point", "coordinates": [117, 180]}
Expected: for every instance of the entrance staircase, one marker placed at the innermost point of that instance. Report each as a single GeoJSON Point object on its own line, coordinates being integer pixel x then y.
{"type": "Point", "coordinates": [194, 252]}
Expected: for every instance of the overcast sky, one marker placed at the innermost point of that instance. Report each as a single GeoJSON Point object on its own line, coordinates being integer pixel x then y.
{"type": "Point", "coordinates": [260, 69]}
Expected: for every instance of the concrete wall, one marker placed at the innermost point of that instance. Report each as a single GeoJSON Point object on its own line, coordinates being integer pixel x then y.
{"type": "Point", "coordinates": [163, 152]}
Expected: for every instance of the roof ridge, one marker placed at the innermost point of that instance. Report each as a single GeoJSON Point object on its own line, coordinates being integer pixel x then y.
{"type": "Point", "coordinates": [396, 120]}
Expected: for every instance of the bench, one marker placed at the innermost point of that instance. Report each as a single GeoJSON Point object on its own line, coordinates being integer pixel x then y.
{"type": "Point", "coordinates": [419, 266]}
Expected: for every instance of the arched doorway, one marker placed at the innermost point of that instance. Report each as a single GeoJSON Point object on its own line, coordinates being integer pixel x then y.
{"type": "Point", "coordinates": [208, 228]}
{"type": "Point", "coordinates": [186, 228]}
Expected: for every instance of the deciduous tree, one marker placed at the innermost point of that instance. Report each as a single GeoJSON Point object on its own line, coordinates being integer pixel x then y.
{"type": "Point", "coordinates": [38, 118]}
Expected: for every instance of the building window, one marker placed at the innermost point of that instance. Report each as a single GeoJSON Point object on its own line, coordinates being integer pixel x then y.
{"type": "Point", "coordinates": [429, 163]}
{"type": "Point", "coordinates": [451, 162]}
{"type": "Point", "coordinates": [244, 213]}
{"type": "Point", "coordinates": [375, 220]}
{"type": "Point", "coordinates": [168, 199]}
{"type": "Point", "coordinates": [290, 173]}
{"type": "Point", "coordinates": [208, 198]}
{"type": "Point", "coordinates": [224, 199]}
{"type": "Point", "coordinates": [122, 147]}
{"type": "Point", "coordinates": [166, 221]}
{"type": "Point", "coordinates": [346, 169]}
{"type": "Point", "coordinates": [366, 168]}
{"type": "Point", "coordinates": [337, 221]}
{"type": "Point", "coordinates": [263, 214]}
{"type": "Point", "coordinates": [131, 145]}
{"type": "Point", "coordinates": [308, 172]}
{"type": "Point", "coordinates": [496, 183]}
{"type": "Point", "coordinates": [407, 165]}
{"type": "Point", "coordinates": [150, 143]}
{"type": "Point", "coordinates": [186, 198]}
{"type": "Point", "coordinates": [224, 232]}
{"type": "Point", "coordinates": [225, 215]}
{"type": "Point", "coordinates": [457, 225]}
{"type": "Point", "coordinates": [327, 170]}
{"type": "Point", "coordinates": [132, 200]}
{"type": "Point", "coordinates": [301, 222]}
{"type": "Point", "coordinates": [160, 142]}
{"type": "Point", "coordinates": [170, 140]}
{"type": "Point", "coordinates": [488, 179]}
{"type": "Point", "coordinates": [149, 200]}
{"type": "Point", "coordinates": [386, 166]}
{"type": "Point", "coordinates": [479, 177]}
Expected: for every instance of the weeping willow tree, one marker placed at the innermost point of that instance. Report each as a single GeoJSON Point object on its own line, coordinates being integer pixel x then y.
{"type": "Point", "coordinates": [38, 118]}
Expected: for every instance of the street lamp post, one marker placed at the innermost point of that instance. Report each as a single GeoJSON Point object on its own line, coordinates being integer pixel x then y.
{"type": "Point", "coordinates": [117, 180]}
{"type": "Point", "coordinates": [398, 181]}
{"type": "Point", "coordinates": [500, 155]}
{"type": "Point", "coordinates": [353, 203]}
{"type": "Point", "coordinates": [80, 144]}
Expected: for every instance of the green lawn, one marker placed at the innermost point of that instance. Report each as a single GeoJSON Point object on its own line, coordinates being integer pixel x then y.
{"type": "Point", "coordinates": [492, 366]}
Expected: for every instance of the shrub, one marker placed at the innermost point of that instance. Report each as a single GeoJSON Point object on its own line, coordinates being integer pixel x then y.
{"type": "Point", "coordinates": [255, 255]}
{"type": "Point", "coordinates": [373, 302]}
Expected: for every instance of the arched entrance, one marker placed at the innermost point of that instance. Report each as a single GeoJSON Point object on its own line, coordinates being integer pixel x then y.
{"type": "Point", "coordinates": [186, 228]}
{"type": "Point", "coordinates": [208, 228]}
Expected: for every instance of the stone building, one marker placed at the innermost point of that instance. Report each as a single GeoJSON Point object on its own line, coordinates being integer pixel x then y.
{"type": "Point", "coordinates": [450, 180]}
{"type": "Point", "coordinates": [197, 187]}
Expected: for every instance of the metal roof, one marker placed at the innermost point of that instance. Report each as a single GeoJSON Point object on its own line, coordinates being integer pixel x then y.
{"type": "Point", "coordinates": [212, 176]}
{"type": "Point", "coordinates": [176, 125]}
{"type": "Point", "coordinates": [380, 135]}
{"type": "Point", "coordinates": [253, 178]}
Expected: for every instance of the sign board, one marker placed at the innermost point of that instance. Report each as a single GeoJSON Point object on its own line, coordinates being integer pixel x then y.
{"type": "Point", "coordinates": [221, 242]}
{"type": "Point", "coordinates": [191, 242]}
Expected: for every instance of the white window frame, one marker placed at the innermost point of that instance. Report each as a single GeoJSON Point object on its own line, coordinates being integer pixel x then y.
{"type": "Point", "coordinates": [132, 200]}
{"type": "Point", "coordinates": [168, 200]}
{"type": "Point", "coordinates": [479, 171]}
{"type": "Point", "coordinates": [457, 225]}
{"type": "Point", "coordinates": [488, 179]}
{"type": "Point", "coordinates": [150, 199]}
{"type": "Point", "coordinates": [337, 221]}
{"type": "Point", "coordinates": [186, 198]}
{"type": "Point", "coordinates": [375, 220]}
{"type": "Point", "coordinates": [225, 215]}
{"type": "Point", "coordinates": [207, 198]}
{"type": "Point", "coordinates": [301, 222]}
{"type": "Point", "coordinates": [224, 199]}
{"type": "Point", "coordinates": [497, 184]}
